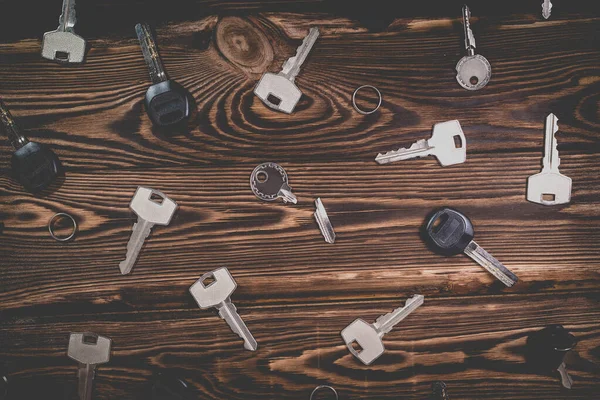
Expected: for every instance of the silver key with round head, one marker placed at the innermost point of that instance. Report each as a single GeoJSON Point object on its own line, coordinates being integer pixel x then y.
{"type": "Point", "coordinates": [214, 289]}
{"type": "Point", "coordinates": [473, 70]}
{"type": "Point", "coordinates": [279, 91]}
{"type": "Point", "coordinates": [546, 8]}
{"type": "Point", "coordinates": [89, 350]}
{"type": "Point", "coordinates": [447, 143]}
{"type": "Point", "coordinates": [364, 340]}
{"type": "Point", "coordinates": [152, 207]}
{"type": "Point", "coordinates": [269, 182]}
{"type": "Point", "coordinates": [549, 187]}
{"type": "Point", "coordinates": [63, 45]}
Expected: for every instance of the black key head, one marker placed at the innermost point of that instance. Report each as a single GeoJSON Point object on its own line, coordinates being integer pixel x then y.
{"type": "Point", "coordinates": [35, 166]}
{"type": "Point", "coordinates": [168, 103]}
{"type": "Point", "coordinates": [448, 231]}
{"type": "Point", "coordinates": [168, 386]}
{"type": "Point", "coordinates": [546, 349]}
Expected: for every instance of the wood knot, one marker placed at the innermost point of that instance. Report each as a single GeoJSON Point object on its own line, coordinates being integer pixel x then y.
{"type": "Point", "coordinates": [244, 45]}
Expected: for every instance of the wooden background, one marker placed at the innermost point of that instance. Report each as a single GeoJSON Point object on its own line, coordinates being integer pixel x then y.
{"type": "Point", "coordinates": [295, 291]}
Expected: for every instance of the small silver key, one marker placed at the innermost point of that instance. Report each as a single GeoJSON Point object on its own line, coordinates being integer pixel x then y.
{"type": "Point", "coordinates": [549, 187]}
{"type": "Point", "coordinates": [447, 143]}
{"type": "Point", "coordinates": [278, 91]}
{"type": "Point", "coordinates": [323, 221]}
{"type": "Point", "coordinates": [63, 45]}
{"type": "Point", "coordinates": [368, 337]}
{"type": "Point", "coordinates": [565, 378]}
{"type": "Point", "coordinates": [218, 294]}
{"type": "Point", "coordinates": [473, 70]}
{"type": "Point", "coordinates": [546, 9]}
{"type": "Point", "coordinates": [149, 212]}
{"type": "Point", "coordinates": [269, 182]}
{"type": "Point", "coordinates": [89, 350]}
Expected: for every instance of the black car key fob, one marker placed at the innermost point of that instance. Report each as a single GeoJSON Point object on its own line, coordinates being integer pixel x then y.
{"type": "Point", "coordinates": [33, 164]}
{"type": "Point", "coordinates": [167, 386]}
{"type": "Point", "coordinates": [167, 102]}
{"type": "Point", "coordinates": [547, 348]}
{"type": "Point", "coordinates": [449, 232]}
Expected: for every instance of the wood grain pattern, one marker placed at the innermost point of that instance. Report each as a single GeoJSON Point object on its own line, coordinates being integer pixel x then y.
{"type": "Point", "coordinates": [296, 292]}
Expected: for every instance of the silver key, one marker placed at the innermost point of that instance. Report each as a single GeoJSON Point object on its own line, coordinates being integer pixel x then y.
{"type": "Point", "coordinates": [323, 222]}
{"type": "Point", "coordinates": [218, 294]}
{"type": "Point", "coordinates": [278, 91]}
{"type": "Point", "coordinates": [473, 70]}
{"type": "Point", "coordinates": [549, 187]}
{"type": "Point", "coordinates": [447, 143]}
{"type": "Point", "coordinates": [269, 182]}
{"type": "Point", "coordinates": [63, 45]}
{"type": "Point", "coordinates": [546, 9]}
{"type": "Point", "coordinates": [368, 336]}
{"type": "Point", "coordinates": [150, 53]}
{"type": "Point", "coordinates": [89, 350]}
{"type": "Point", "coordinates": [565, 378]}
{"type": "Point", "coordinates": [149, 212]}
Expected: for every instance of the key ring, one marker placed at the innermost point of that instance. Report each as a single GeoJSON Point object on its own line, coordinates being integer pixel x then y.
{"type": "Point", "coordinates": [324, 387]}
{"type": "Point", "coordinates": [51, 227]}
{"type": "Point", "coordinates": [360, 111]}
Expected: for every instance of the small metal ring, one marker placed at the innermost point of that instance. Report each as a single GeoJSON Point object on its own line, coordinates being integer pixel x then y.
{"type": "Point", "coordinates": [51, 225]}
{"type": "Point", "coordinates": [324, 387]}
{"type": "Point", "coordinates": [356, 106]}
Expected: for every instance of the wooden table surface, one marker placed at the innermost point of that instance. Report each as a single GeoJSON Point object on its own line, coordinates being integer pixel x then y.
{"type": "Point", "coordinates": [296, 292]}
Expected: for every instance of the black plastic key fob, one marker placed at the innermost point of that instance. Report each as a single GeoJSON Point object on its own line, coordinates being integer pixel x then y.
{"type": "Point", "coordinates": [35, 166]}
{"type": "Point", "coordinates": [448, 231]}
{"type": "Point", "coordinates": [546, 349]}
{"type": "Point", "coordinates": [167, 386]}
{"type": "Point", "coordinates": [168, 103]}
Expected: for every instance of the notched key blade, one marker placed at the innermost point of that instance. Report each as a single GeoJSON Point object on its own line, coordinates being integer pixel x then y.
{"type": "Point", "coordinates": [418, 149]}
{"type": "Point", "coordinates": [323, 222]}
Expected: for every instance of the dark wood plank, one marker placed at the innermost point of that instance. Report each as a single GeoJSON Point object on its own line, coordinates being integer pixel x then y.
{"type": "Point", "coordinates": [299, 346]}
{"type": "Point", "coordinates": [295, 291]}
{"type": "Point", "coordinates": [377, 212]}
{"type": "Point", "coordinates": [99, 122]}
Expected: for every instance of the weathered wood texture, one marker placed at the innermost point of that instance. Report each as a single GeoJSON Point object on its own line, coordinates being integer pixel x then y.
{"type": "Point", "coordinates": [295, 291]}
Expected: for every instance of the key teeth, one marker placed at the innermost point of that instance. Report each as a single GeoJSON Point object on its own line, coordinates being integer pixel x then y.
{"type": "Point", "coordinates": [290, 61]}
{"type": "Point", "coordinates": [546, 9]}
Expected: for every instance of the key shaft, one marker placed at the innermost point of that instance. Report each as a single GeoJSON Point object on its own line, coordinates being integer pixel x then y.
{"type": "Point", "coordinates": [86, 374]}
{"type": "Point", "coordinates": [565, 378]}
{"type": "Point", "coordinates": [292, 66]}
{"type": "Point", "coordinates": [228, 312]}
{"type": "Point", "coordinates": [546, 9]}
{"type": "Point", "coordinates": [551, 158]}
{"type": "Point", "coordinates": [386, 322]}
{"type": "Point", "coordinates": [490, 263]}
{"type": "Point", "coordinates": [323, 221]}
{"type": "Point", "coordinates": [470, 44]}
{"type": "Point", "coordinates": [150, 53]}
{"type": "Point", "coordinates": [16, 138]}
{"type": "Point", "coordinates": [141, 230]}
{"type": "Point", "coordinates": [68, 18]}
{"type": "Point", "coordinates": [420, 148]}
